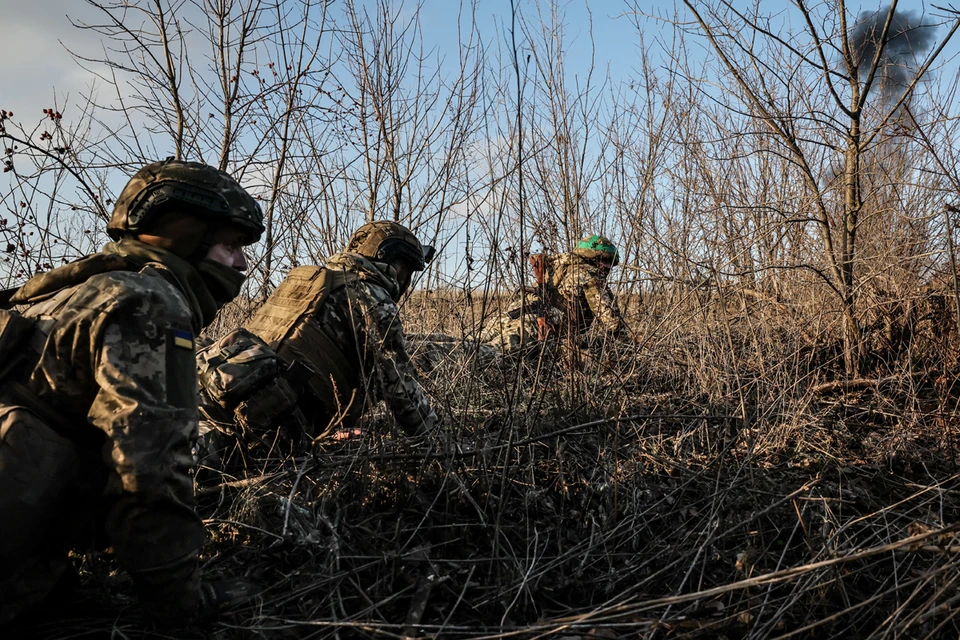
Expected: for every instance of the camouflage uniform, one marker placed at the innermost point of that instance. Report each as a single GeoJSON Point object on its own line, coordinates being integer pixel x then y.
{"type": "Point", "coordinates": [573, 296]}
{"type": "Point", "coordinates": [98, 399]}
{"type": "Point", "coordinates": [246, 393]}
{"type": "Point", "coordinates": [362, 355]}
{"type": "Point", "coordinates": [115, 359]}
{"type": "Point", "coordinates": [363, 317]}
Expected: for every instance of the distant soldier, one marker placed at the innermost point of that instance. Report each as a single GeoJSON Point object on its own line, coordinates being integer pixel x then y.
{"type": "Point", "coordinates": [98, 401]}
{"type": "Point", "coordinates": [571, 295]}
{"type": "Point", "coordinates": [340, 324]}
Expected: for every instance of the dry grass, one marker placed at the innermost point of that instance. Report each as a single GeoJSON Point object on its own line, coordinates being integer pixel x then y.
{"type": "Point", "coordinates": [705, 482]}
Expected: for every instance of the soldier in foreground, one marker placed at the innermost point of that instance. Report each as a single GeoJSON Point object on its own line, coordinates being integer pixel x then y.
{"type": "Point", "coordinates": [571, 296]}
{"type": "Point", "coordinates": [341, 324]}
{"type": "Point", "coordinates": [98, 403]}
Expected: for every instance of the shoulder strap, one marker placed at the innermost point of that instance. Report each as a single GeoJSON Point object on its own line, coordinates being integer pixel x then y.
{"type": "Point", "coordinates": [44, 285]}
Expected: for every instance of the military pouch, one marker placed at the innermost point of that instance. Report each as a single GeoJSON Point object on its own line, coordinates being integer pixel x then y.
{"type": "Point", "coordinates": [268, 406]}
{"type": "Point", "coordinates": [233, 368]}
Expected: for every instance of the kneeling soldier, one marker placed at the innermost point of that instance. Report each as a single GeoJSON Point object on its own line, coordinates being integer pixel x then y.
{"type": "Point", "coordinates": [98, 401]}
{"type": "Point", "coordinates": [571, 296]}
{"type": "Point", "coordinates": [335, 328]}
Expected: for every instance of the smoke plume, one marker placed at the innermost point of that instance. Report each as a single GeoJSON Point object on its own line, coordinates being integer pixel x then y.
{"type": "Point", "coordinates": [908, 39]}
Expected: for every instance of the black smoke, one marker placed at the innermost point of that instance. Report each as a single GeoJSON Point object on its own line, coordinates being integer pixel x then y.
{"type": "Point", "coordinates": [910, 36]}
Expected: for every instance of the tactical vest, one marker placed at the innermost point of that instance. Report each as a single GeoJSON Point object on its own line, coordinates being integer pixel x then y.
{"type": "Point", "coordinates": [287, 322]}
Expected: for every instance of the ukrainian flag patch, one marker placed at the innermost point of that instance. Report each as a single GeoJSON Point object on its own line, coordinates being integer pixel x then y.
{"type": "Point", "coordinates": [182, 339]}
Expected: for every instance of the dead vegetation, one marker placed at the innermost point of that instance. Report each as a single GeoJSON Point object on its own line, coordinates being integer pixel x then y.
{"type": "Point", "coordinates": [605, 492]}
{"type": "Point", "coordinates": [772, 455]}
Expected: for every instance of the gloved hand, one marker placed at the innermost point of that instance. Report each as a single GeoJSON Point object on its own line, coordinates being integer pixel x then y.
{"type": "Point", "coordinates": [220, 596]}
{"type": "Point", "coordinates": [175, 595]}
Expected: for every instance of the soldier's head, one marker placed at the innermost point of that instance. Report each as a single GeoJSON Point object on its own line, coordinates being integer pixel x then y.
{"type": "Point", "coordinates": [191, 209]}
{"type": "Point", "coordinates": [599, 251]}
{"type": "Point", "coordinates": [394, 244]}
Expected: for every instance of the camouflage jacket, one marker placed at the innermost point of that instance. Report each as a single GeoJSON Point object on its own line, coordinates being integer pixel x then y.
{"type": "Point", "coordinates": [363, 317]}
{"type": "Point", "coordinates": [115, 358]}
{"type": "Point", "coordinates": [579, 291]}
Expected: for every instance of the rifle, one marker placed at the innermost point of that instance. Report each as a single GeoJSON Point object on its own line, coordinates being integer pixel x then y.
{"type": "Point", "coordinates": [539, 264]}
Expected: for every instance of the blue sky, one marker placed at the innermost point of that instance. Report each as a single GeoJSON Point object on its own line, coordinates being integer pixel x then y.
{"type": "Point", "coordinates": [34, 34]}
{"type": "Point", "coordinates": [33, 37]}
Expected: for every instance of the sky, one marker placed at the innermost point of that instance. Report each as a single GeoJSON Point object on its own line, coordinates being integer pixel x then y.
{"type": "Point", "coordinates": [35, 36]}
{"type": "Point", "coordinates": [38, 70]}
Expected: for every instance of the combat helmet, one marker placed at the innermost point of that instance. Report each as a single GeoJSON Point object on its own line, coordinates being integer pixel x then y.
{"type": "Point", "coordinates": [386, 240]}
{"type": "Point", "coordinates": [190, 187]}
{"type": "Point", "coordinates": [597, 247]}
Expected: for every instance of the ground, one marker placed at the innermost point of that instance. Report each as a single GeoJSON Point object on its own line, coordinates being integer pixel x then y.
{"type": "Point", "coordinates": [600, 490]}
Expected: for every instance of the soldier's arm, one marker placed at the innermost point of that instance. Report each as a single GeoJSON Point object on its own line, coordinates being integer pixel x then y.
{"type": "Point", "coordinates": [397, 374]}
{"type": "Point", "coordinates": [601, 300]}
{"type": "Point", "coordinates": [147, 407]}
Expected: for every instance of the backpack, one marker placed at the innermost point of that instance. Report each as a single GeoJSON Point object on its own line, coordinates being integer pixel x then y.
{"type": "Point", "coordinates": [16, 333]}
{"type": "Point", "coordinates": [244, 376]}
{"type": "Point", "coordinates": [287, 323]}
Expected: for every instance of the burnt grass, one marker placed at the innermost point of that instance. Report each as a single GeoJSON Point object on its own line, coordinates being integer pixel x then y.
{"type": "Point", "coordinates": [608, 490]}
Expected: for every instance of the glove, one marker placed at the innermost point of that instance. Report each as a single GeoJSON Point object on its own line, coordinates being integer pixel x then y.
{"type": "Point", "coordinates": [174, 595]}
{"type": "Point", "coordinates": [220, 596]}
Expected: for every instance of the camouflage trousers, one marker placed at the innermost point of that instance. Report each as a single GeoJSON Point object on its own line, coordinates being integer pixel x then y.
{"type": "Point", "coordinates": [43, 499]}
{"type": "Point", "coordinates": [512, 330]}
{"type": "Point", "coordinates": [430, 351]}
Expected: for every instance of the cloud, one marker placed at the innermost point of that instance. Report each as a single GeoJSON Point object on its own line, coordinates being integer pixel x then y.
{"type": "Point", "coordinates": [36, 66]}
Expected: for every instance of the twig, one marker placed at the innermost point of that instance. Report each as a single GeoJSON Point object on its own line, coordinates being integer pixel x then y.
{"type": "Point", "coordinates": [293, 491]}
{"type": "Point", "coordinates": [235, 484]}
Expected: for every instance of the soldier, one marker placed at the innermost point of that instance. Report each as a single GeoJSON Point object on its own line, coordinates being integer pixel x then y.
{"type": "Point", "coordinates": [341, 322]}
{"type": "Point", "coordinates": [98, 408]}
{"type": "Point", "coordinates": [571, 295]}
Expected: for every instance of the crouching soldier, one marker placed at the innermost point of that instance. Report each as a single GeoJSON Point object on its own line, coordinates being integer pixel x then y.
{"type": "Point", "coordinates": [571, 296]}
{"type": "Point", "coordinates": [98, 400]}
{"type": "Point", "coordinates": [336, 341]}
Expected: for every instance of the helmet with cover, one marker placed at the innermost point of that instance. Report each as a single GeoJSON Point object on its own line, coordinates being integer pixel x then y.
{"type": "Point", "coordinates": [385, 240]}
{"type": "Point", "coordinates": [597, 248]}
{"type": "Point", "coordinates": [185, 187]}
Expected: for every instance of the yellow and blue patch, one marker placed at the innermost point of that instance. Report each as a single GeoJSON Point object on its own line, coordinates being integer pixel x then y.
{"type": "Point", "coordinates": [181, 378]}
{"type": "Point", "coordinates": [182, 339]}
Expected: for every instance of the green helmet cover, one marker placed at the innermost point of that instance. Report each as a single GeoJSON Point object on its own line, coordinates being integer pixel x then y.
{"type": "Point", "coordinates": [597, 247]}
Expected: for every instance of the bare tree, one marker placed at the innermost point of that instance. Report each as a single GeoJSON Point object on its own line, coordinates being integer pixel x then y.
{"type": "Point", "coordinates": [825, 98]}
{"type": "Point", "coordinates": [413, 120]}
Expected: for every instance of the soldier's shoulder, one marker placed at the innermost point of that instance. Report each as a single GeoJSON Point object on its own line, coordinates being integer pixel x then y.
{"type": "Point", "coordinates": [371, 294]}
{"type": "Point", "coordinates": [147, 290]}
{"type": "Point", "coordinates": [573, 267]}
{"type": "Point", "coordinates": [345, 261]}
{"type": "Point", "coordinates": [364, 276]}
